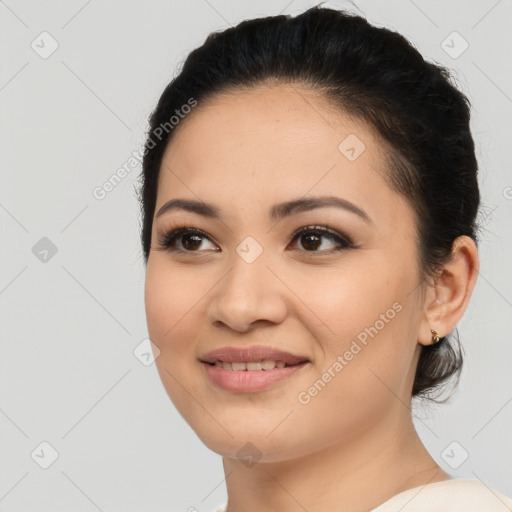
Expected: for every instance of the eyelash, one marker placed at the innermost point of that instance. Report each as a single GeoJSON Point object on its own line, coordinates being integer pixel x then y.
{"type": "Point", "coordinates": [167, 239]}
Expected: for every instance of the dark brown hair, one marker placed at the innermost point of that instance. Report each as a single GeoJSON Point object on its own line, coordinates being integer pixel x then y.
{"type": "Point", "coordinates": [374, 74]}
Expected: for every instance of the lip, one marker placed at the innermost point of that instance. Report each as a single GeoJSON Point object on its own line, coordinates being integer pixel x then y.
{"type": "Point", "coordinates": [247, 381]}
{"type": "Point", "coordinates": [251, 354]}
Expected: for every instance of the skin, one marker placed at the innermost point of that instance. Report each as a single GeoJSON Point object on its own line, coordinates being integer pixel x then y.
{"type": "Point", "coordinates": [353, 445]}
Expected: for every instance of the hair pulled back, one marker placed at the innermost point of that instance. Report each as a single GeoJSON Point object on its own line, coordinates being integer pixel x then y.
{"type": "Point", "coordinates": [373, 74]}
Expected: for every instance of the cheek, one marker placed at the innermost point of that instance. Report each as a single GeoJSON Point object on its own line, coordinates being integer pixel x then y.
{"type": "Point", "coordinates": [170, 297]}
{"type": "Point", "coordinates": [361, 323]}
{"type": "Point", "coordinates": [344, 302]}
{"type": "Point", "coordinates": [171, 300]}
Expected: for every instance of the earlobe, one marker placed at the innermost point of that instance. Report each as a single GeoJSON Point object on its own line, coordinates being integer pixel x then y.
{"type": "Point", "coordinates": [436, 338]}
{"type": "Point", "coordinates": [449, 295]}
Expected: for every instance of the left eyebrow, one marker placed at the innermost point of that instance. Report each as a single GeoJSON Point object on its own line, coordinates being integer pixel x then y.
{"type": "Point", "coordinates": [281, 210]}
{"type": "Point", "coordinates": [277, 212]}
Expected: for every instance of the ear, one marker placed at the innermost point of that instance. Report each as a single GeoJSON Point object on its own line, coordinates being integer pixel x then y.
{"type": "Point", "coordinates": [447, 298]}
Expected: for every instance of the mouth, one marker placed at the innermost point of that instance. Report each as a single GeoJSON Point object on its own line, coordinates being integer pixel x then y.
{"type": "Point", "coordinates": [251, 358]}
{"type": "Point", "coordinates": [251, 368]}
{"type": "Point", "coordinates": [265, 365]}
{"type": "Point", "coordinates": [250, 377]}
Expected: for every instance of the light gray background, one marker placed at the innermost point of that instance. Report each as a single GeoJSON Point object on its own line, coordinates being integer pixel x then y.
{"type": "Point", "coordinates": [69, 325]}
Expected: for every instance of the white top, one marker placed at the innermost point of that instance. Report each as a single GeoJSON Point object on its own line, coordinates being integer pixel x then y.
{"type": "Point", "coordinates": [454, 495]}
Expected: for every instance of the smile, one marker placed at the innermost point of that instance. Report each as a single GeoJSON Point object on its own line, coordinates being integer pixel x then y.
{"type": "Point", "coordinates": [267, 364]}
{"type": "Point", "coordinates": [251, 376]}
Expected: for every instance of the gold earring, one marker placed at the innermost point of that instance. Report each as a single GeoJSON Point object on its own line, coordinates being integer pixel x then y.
{"type": "Point", "coordinates": [435, 337]}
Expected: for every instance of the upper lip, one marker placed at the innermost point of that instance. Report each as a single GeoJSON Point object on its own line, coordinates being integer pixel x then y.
{"type": "Point", "coordinates": [251, 354]}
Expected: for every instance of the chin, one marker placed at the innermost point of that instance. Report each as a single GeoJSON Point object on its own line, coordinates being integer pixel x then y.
{"type": "Point", "coordinates": [250, 451]}
{"type": "Point", "coordinates": [263, 443]}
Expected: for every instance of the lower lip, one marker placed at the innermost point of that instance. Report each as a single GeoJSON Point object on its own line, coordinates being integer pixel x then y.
{"type": "Point", "coordinates": [247, 381]}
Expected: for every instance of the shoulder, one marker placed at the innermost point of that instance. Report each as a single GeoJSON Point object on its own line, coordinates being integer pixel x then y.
{"type": "Point", "coordinates": [454, 495]}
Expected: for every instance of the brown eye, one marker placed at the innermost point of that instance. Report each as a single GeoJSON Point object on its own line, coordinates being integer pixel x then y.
{"type": "Point", "coordinates": [190, 239]}
{"type": "Point", "coordinates": [191, 242]}
{"type": "Point", "coordinates": [311, 239]}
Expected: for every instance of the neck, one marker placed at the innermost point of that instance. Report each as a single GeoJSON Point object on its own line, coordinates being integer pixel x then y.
{"type": "Point", "coordinates": [356, 475]}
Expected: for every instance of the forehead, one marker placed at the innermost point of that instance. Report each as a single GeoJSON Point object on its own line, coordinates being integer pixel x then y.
{"type": "Point", "coordinates": [268, 144]}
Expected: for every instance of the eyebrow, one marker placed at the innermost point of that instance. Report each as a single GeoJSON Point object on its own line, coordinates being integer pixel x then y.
{"type": "Point", "coordinates": [277, 212]}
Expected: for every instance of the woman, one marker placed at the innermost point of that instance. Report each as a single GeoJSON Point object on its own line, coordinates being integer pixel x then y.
{"type": "Point", "coordinates": [309, 195]}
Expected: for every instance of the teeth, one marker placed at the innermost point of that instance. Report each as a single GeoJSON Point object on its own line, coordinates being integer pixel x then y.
{"type": "Point", "coordinates": [266, 364]}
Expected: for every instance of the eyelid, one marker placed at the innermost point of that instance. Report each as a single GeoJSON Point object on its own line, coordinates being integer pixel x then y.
{"type": "Point", "coordinates": [326, 231]}
{"type": "Point", "coordinates": [175, 233]}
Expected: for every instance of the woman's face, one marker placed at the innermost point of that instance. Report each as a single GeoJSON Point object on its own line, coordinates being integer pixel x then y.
{"type": "Point", "coordinates": [353, 313]}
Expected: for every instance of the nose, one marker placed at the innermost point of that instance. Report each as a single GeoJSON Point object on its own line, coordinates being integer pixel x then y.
{"type": "Point", "coordinates": [249, 293]}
